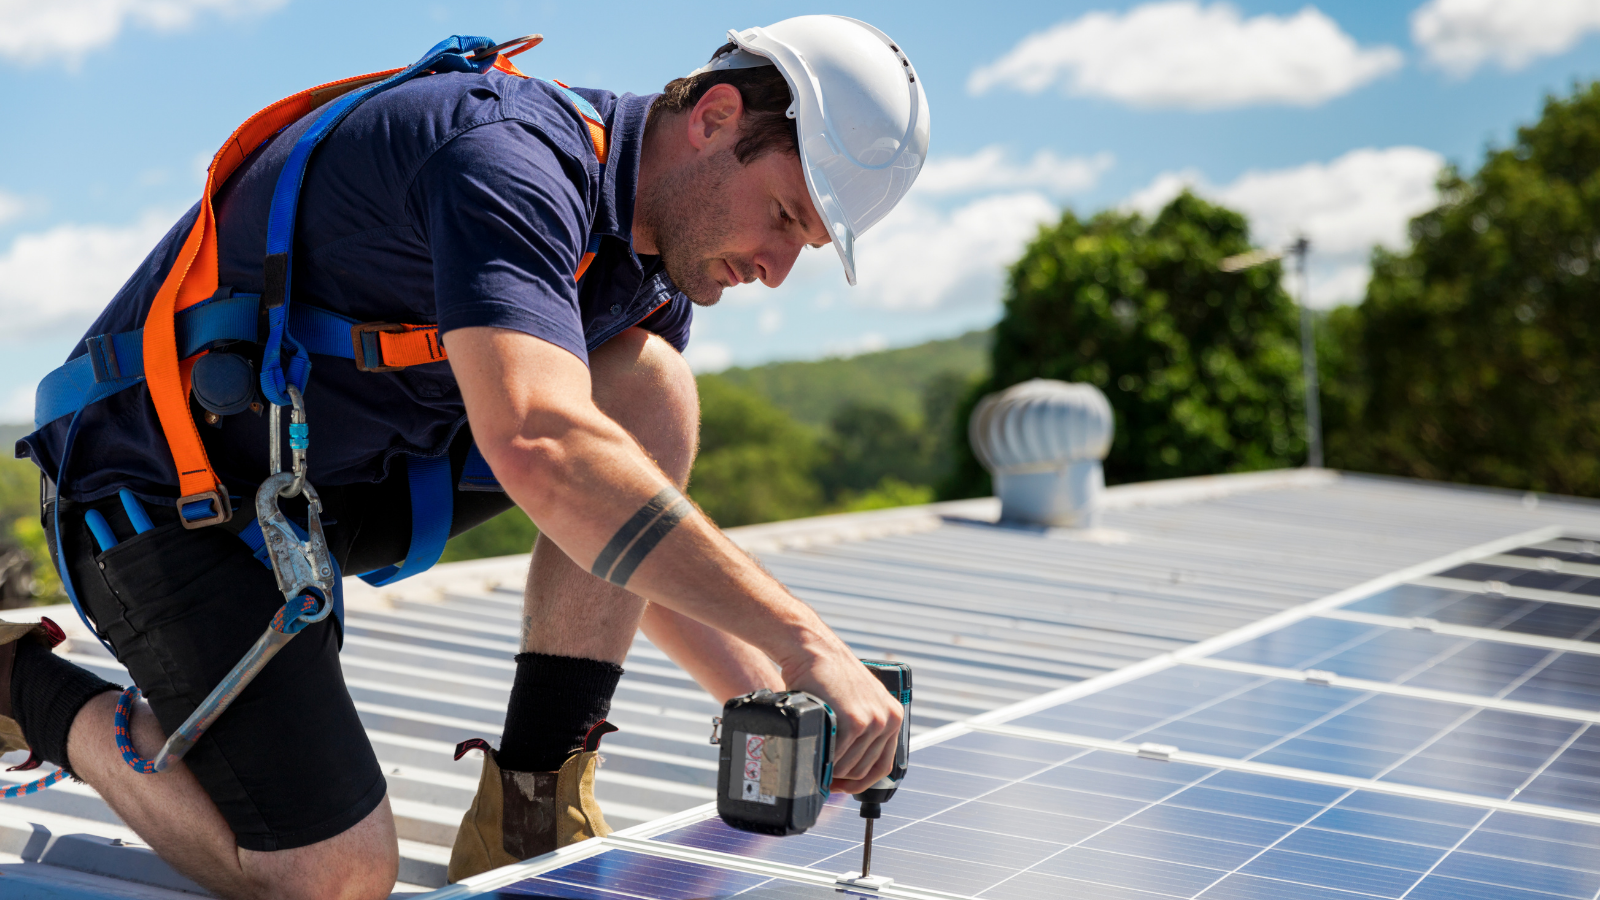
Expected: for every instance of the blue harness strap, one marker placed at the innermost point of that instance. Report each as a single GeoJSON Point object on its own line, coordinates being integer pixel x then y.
{"type": "Point", "coordinates": [257, 542]}
{"type": "Point", "coordinates": [476, 474]}
{"type": "Point", "coordinates": [115, 362]}
{"type": "Point", "coordinates": [432, 508]}
{"type": "Point", "coordinates": [278, 272]}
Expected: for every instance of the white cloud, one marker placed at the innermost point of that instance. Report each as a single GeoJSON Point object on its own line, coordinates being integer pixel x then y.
{"type": "Point", "coordinates": [921, 257]}
{"type": "Point", "coordinates": [1364, 197]}
{"type": "Point", "coordinates": [1180, 54]}
{"type": "Point", "coordinates": [34, 31]}
{"type": "Point", "coordinates": [771, 321]}
{"type": "Point", "coordinates": [11, 206]}
{"type": "Point", "coordinates": [1461, 35]}
{"type": "Point", "coordinates": [708, 356]}
{"type": "Point", "coordinates": [870, 342]}
{"type": "Point", "coordinates": [992, 169]}
{"type": "Point", "coordinates": [54, 282]}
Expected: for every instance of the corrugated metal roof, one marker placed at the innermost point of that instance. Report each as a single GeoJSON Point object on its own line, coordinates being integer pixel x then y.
{"type": "Point", "coordinates": [987, 614]}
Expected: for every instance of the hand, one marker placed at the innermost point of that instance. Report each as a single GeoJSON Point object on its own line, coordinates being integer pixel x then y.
{"type": "Point", "coordinates": [868, 716]}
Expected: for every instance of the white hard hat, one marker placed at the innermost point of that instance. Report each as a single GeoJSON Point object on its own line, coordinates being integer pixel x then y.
{"type": "Point", "coordinates": [861, 113]}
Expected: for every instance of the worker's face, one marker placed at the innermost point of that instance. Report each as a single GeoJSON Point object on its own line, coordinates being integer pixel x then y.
{"type": "Point", "coordinates": [719, 223]}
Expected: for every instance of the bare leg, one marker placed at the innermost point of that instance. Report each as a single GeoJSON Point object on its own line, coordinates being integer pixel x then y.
{"type": "Point", "coordinates": [172, 812]}
{"type": "Point", "coordinates": [642, 383]}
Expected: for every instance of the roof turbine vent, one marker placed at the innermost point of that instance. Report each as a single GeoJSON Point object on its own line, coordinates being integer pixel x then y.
{"type": "Point", "coordinates": [1043, 441]}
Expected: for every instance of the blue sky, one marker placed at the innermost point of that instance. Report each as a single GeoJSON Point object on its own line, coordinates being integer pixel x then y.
{"type": "Point", "coordinates": [1328, 118]}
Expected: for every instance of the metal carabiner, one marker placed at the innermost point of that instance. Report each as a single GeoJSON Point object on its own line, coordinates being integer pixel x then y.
{"type": "Point", "coordinates": [299, 565]}
{"type": "Point", "coordinates": [299, 442]}
{"type": "Point", "coordinates": [304, 572]}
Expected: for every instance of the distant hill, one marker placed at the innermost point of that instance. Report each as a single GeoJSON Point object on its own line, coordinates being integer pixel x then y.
{"type": "Point", "coordinates": [811, 391]}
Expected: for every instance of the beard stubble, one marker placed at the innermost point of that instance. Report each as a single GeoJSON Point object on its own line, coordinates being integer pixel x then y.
{"type": "Point", "coordinates": [689, 212]}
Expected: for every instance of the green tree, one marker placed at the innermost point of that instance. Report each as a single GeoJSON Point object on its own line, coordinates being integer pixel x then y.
{"type": "Point", "coordinates": [755, 463]}
{"type": "Point", "coordinates": [1202, 367]}
{"type": "Point", "coordinates": [28, 575]}
{"type": "Point", "coordinates": [867, 443]}
{"type": "Point", "coordinates": [509, 533]}
{"type": "Point", "coordinates": [1475, 356]}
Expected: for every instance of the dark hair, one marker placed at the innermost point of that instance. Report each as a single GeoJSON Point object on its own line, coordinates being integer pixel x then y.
{"type": "Point", "coordinates": [766, 127]}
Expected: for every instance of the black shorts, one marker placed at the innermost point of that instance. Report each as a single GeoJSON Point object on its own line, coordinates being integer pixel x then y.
{"type": "Point", "coordinates": [289, 763]}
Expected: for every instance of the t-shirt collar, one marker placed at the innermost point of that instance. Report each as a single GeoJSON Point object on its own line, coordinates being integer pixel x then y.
{"type": "Point", "coordinates": [620, 186]}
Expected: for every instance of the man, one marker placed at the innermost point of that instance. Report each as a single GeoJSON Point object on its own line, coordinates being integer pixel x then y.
{"type": "Point", "coordinates": [470, 198]}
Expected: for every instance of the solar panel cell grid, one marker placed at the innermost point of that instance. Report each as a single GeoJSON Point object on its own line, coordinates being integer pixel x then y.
{"type": "Point", "coordinates": [617, 874]}
{"type": "Point", "coordinates": [1578, 551]}
{"type": "Point", "coordinates": [1171, 830]}
{"type": "Point", "coordinates": [994, 816]}
{"type": "Point", "coordinates": [1488, 611]}
{"type": "Point", "coordinates": [1439, 662]}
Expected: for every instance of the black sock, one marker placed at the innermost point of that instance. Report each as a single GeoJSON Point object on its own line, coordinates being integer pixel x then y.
{"type": "Point", "coordinates": [555, 700]}
{"type": "Point", "coordinates": [46, 694]}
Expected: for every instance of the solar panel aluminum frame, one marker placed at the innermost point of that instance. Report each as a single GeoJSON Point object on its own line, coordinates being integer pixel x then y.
{"type": "Point", "coordinates": [1330, 679]}
{"type": "Point", "coordinates": [636, 839]}
{"type": "Point", "coordinates": [1238, 636]}
{"type": "Point", "coordinates": [479, 885]}
{"type": "Point", "coordinates": [1206, 760]}
{"type": "Point", "coordinates": [1465, 631]}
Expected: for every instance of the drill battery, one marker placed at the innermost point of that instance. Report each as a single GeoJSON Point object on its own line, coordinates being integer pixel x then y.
{"type": "Point", "coordinates": [776, 761]}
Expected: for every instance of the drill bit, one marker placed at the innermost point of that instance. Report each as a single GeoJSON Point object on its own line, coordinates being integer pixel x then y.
{"type": "Point", "coordinates": [866, 852]}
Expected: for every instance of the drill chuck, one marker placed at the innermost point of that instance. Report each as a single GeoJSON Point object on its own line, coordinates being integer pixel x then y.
{"type": "Point", "coordinates": [896, 679]}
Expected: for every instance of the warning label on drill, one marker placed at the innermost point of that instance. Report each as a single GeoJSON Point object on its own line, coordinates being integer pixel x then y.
{"type": "Point", "coordinates": [773, 766]}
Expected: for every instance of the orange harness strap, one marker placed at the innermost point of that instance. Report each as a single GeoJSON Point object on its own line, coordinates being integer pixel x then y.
{"type": "Point", "coordinates": [413, 345]}
{"type": "Point", "coordinates": [193, 278]}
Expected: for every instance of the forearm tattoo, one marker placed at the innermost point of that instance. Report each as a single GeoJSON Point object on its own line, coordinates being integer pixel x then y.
{"type": "Point", "coordinates": [639, 535]}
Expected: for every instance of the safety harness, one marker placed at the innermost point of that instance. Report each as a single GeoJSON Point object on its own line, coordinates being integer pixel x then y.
{"type": "Point", "coordinates": [190, 316]}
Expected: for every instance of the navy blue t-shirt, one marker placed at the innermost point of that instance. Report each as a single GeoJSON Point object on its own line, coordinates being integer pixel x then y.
{"type": "Point", "coordinates": [463, 199]}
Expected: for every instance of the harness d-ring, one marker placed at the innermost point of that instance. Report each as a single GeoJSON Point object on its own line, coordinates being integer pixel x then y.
{"type": "Point", "coordinates": [528, 42]}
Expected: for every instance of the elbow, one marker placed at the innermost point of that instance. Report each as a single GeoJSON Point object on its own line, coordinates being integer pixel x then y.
{"type": "Point", "coordinates": [532, 469]}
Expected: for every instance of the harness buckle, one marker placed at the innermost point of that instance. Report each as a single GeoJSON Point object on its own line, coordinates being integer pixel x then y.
{"type": "Point", "coordinates": [369, 350]}
{"type": "Point", "coordinates": [219, 501]}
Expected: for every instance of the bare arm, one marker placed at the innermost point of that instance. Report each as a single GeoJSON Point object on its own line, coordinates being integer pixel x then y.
{"type": "Point", "coordinates": [589, 487]}
{"type": "Point", "coordinates": [722, 664]}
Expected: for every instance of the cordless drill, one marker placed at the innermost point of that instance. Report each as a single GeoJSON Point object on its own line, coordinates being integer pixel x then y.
{"type": "Point", "coordinates": [776, 759]}
{"type": "Point", "coordinates": [896, 677]}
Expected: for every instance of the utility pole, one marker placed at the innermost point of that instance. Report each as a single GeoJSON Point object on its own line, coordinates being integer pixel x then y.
{"type": "Point", "coordinates": [1301, 248]}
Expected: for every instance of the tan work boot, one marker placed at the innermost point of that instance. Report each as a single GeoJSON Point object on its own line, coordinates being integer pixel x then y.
{"type": "Point", "coordinates": [520, 815]}
{"type": "Point", "coordinates": [44, 632]}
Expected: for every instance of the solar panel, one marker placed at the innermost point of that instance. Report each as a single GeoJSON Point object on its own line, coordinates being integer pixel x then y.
{"type": "Point", "coordinates": [1414, 769]}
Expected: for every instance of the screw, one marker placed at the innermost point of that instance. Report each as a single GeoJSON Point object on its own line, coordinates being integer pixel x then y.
{"type": "Point", "coordinates": [212, 418]}
{"type": "Point", "coordinates": [325, 571]}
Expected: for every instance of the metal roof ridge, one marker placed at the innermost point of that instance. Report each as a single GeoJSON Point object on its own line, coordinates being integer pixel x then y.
{"type": "Point", "coordinates": [837, 527]}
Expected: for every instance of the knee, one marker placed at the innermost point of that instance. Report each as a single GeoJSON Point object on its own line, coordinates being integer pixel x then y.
{"type": "Point", "coordinates": [644, 384]}
{"type": "Point", "coordinates": [346, 876]}
{"type": "Point", "coordinates": [359, 864]}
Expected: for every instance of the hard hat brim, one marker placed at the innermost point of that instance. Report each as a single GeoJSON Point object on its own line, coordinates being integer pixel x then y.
{"type": "Point", "coordinates": [805, 109]}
